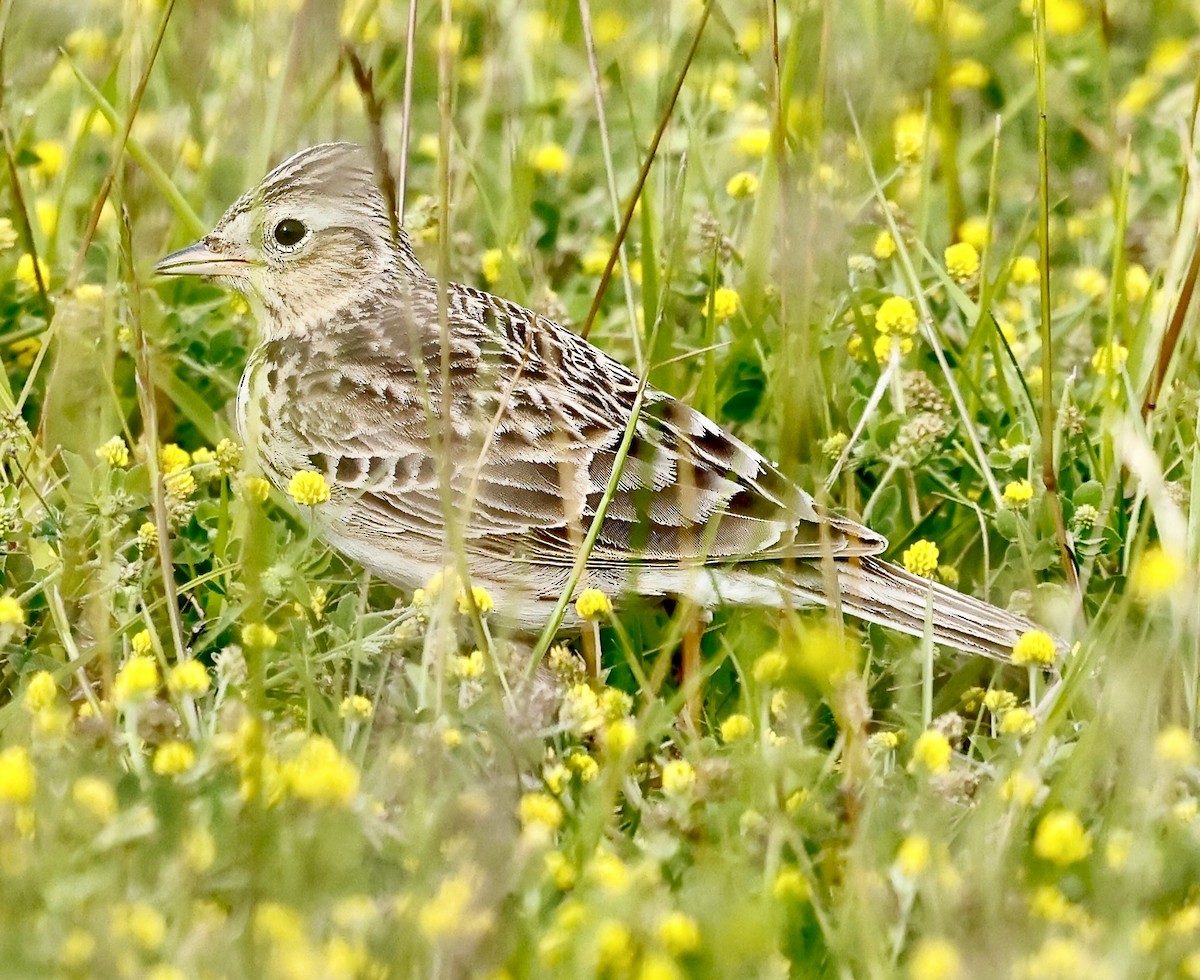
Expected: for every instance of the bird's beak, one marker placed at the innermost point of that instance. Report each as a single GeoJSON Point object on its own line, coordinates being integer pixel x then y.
{"type": "Point", "coordinates": [202, 259]}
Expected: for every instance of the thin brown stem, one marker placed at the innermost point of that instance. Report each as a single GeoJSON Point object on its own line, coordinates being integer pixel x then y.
{"type": "Point", "coordinates": [668, 112]}
{"type": "Point", "coordinates": [119, 150]}
{"type": "Point", "coordinates": [1049, 473]}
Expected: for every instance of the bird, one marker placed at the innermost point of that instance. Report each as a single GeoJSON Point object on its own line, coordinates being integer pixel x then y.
{"type": "Point", "coordinates": [518, 425]}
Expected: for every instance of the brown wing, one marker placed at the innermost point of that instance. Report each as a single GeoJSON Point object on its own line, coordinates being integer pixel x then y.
{"type": "Point", "coordinates": [538, 416]}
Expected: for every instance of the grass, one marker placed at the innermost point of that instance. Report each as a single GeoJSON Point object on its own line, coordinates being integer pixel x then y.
{"type": "Point", "coordinates": [225, 751]}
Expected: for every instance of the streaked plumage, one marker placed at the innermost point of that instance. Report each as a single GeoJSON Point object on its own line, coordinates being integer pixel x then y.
{"type": "Point", "coordinates": [347, 381]}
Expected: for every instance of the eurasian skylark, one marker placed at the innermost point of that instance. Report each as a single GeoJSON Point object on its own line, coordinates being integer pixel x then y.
{"type": "Point", "coordinates": [347, 381]}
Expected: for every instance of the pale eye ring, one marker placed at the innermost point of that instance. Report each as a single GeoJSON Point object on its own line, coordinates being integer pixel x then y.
{"type": "Point", "coordinates": [289, 233]}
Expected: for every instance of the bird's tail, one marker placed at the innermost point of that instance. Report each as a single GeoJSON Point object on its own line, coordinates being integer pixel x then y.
{"type": "Point", "coordinates": [880, 592]}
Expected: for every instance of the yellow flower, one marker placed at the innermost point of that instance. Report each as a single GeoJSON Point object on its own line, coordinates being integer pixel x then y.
{"type": "Point", "coordinates": [614, 947]}
{"type": "Point", "coordinates": [540, 814]}
{"type": "Point", "coordinates": [1169, 56]}
{"type": "Point", "coordinates": [885, 740]}
{"type": "Point", "coordinates": [1061, 839]}
{"type": "Point", "coordinates": [1065, 17]}
{"type": "Point", "coordinates": [188, 679]}
{"type": "Point", "coordinates": [679, 933]}
{"type": "Point", "coordinates": [142, 643]}
{"type": "Point", "coordinates": [356, 707]}
{"type": "Point", "coordinates": [114, 452]}
{"type": "Point", "coordinates": [968, 73]}
{"type": "Point", "coordinates": [770, 666]}
{"type": "Point", "coordinates": [172, 458]}
{"type": "Point", "coordinates": [448, 913]}
{"type": "Point", "coordinates": [199, 850]}
{"type": "Point", "coordinates": [1175, 746]}
{"type": "Point", "coordinates": [962, 261]}
{"type": "Point", "coordinates": [550, 158]}
{"type": "Point", "coordinates": [147, 535]}
{"type": "Point", "coordinates": [1090, 281]}
{"type": "Point", "coordinates": [1138, 94]}
{"type": "Point", "coordinates": [256, 489]}
{"type": "Point", "coordinates": [136, 681]}
{"type": "Point", "coordinates": [11, 613]}
{"type": "Point", "coordinates": [742, 185]}
{"type": "Point", "coordinates": [921, 558]}
{"type": "Point", "coordinates": [724, 303]}
{"type": "Point", "coordinates": [934, 959]}
{"type": "Point", "coordinates": [884, 247]}
{"type": "Point", "coordinates": [583, 764]}
{"type": "Point", "coordinates": [308, 488]}
{"type": "Point", "coordinates": [912, 858]}
{"type": "Point", "coordinates": [471, 666]}
{"type": "Point", "coordinates": [18, 779]}
{"type": "Point", "coordinates": [908, 137]}
{"type": "Point", "coordinates": [931, 751]}
{"type": "Point", "coordinates": [754, 142]}
{"type": "Point", "coordinates": [41, 692]}
{"type": "Point", "coordinates": [790, 885]}
{"type": "Point", "coordinates": [8, 235]}
{"type": "Point", "coordinates": [25, 271]}
{"type": "Point", "coordinates": [483, 601]}
{"type": "Point", "coordinates": [593, 604]}
{"type": "Point", "coordinates": [736, 727]}
{"type": "Point", "coordinates": [174, 758]}
{"type": "Point", "coordinates": [142, 923]}
{"type": "Point", "coordinates": [885, 344]}
{"type": "Point", "coordinates": [1024, 271]}
{"type": "Point", "coordinates": [259, 635]}
{"type": "Point", "coordinates": [1137, 283]}
{"type": "Point", "coordinates": [1017, 721]}
{"type": "Point", "coordinates": [228, 455]}
{"type": "Point", "coordinates": [492, 265]}
{"type": "Point", "coordinates": [1018, 493]}
{"type": "Point", "coordinates": [179, 485]}
{"type": "Point", "coordinates": [320, 775]}
{"type": "Point", "coordinates": [609, 27]}
{"type": "Point", "coordinates": [1020, 789]}
{"type": "Point", "coordinates": [678, 777]}
{"type": "Point", "coordinates": [896, 315]}
{"type": "Point", "coordinates": [94, 795]}
{"type": "Point", "coordinates": [1110, 359]}
{"type": "Point", "coordinates": [1157, 573]}
{"type": "Point", "coordinates": [618, 736]}
{"type": "Point", "coordinates": [1034, 647]}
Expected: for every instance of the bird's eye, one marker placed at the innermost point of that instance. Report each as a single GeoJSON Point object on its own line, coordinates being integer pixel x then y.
{"type": "Point", "coordinates": [289, 232]}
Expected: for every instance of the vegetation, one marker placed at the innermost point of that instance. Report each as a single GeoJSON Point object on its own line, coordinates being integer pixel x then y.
{"type": "Point", "coordinates": [857, 249]}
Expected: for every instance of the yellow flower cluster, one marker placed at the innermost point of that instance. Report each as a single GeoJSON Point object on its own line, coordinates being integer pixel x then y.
{"type": "Point", "coordinates": [11, 613]}
{"type": "Point", "coordinates": [724, 303]}
{"type": "Point", "coordinates": [136, 681]}
{"type": "Point", "coordinates": [320, 775]}
{"type": "Point", "coordinates": [962, 261]}
{"type": "Point", "coordinates": [1156, 573]}
{"type": "Point", "coordinates": [308, 488]}
{"type": "Point", "coordinates": [1061, 838]}
{"type": "Point", "coordinates": [550, 158]}
{"type": "Point", "coordinates": [1034, 648]}
{"type": "Point", "coordinates": [18, 778]}
{"type": "Point", "coordinates": [114, 452]}
{"type": "Point", "coordinates": [1018, 493]}
{"type": "Point", "coordinates": [188, 679]}
{"type": "Point", "coordinates": [593, 604]}
{"type": "Point", "coordinates": [1110, 359]}
{"type": "Point", "coordinates": [174, 758]}
{"type": "Point", "coordinates": [921, 558]}
{"type": "Point", "coordinates": [908, 138]}
{"type": "Point", "coordinates": [678, 777]}
{"type": "Point", "coordinates": [736, 727]}
{"type": "Point", "coordinates": [931, 752]}
{"type": "Point", "coordinates": [742, 185]}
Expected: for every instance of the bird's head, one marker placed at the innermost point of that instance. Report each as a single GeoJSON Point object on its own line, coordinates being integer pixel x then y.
{"type": "Point", "coordinates": [309, 240]}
